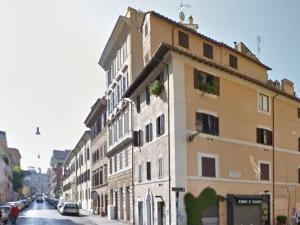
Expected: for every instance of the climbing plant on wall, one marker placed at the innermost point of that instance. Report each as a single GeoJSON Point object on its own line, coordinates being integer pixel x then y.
{"type": "Point", "coordinates": [195, 206]}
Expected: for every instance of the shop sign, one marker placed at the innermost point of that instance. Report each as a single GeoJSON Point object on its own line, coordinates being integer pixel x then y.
{"type": "Point", "coordinates": [249, 201]}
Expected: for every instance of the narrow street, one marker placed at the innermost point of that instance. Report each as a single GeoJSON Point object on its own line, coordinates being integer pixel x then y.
{"type": "Point", "coordinates": [44, 214]}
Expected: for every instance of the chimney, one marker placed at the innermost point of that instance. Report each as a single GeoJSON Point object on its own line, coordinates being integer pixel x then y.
{"type": "Point", "coordinates": [287, 86]}
{"type": "Point", "coordinates": [191, 20]}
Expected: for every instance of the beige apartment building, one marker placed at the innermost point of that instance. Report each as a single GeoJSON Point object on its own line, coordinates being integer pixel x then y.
{"type": "Point", "coordinates": [122, 60]}
{"type": "Point", "coordinates": [226, 125]}
{"type": "Point", "coordinates": [96, 121]}
{"type": "Point", "coordinates": [77, 174]}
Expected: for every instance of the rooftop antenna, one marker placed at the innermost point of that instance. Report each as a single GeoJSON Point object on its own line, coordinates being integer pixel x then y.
{"type": "Point", "coordinates": [181, 13]}
{"type": "Point", "coordinates": [258, 39]}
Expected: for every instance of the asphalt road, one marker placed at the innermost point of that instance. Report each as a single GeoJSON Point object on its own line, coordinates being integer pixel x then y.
{"type": "Point", "coordinates": [44, 214]}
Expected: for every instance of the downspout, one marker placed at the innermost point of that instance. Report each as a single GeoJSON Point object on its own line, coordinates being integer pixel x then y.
{"type": "Point", "coordinates": [169, 146]}
{"type": "Point", "coordinates": [132, 165]}
{"type": "Point", "coordinates": [273, 158]}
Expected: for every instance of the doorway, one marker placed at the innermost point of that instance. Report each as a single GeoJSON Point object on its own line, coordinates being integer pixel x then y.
{"type": "Point", "coordinates": [160, 213]}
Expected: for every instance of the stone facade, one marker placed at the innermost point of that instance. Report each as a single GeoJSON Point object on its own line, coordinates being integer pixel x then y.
{"type": "Point", "coordinates": [96, 121]}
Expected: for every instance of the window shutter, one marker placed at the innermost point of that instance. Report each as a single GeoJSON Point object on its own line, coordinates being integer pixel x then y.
{"type": "Point", "coordinates": [157, 126]}
{"type": "Point", "coordinates": [140, 137]}
{"type": "Point", "coordinates": [298, 113]}
{"type": "Point", "coordinates": [270, 134]}
{"type": "Point", "coordinates": [138, 101]}
{"type": "Point", "coordinates": [298, 175]}
{"type": "Point", "coordinates": [162, 124]}
{"type": "Point", "coordinates": [147, 96]}
{"type": "Point", "coordinates": [216, 130]}
{"type": "Point", "coordinates": [258, 135]}
{"type": "Point", "coordinates": [299, 144]}
{"type": "Point", "coordinates": [135, 138]}
{"type": "Point", "coordinates": [146, 133]}
{"type": "Point", "coordinates": [150, 132]}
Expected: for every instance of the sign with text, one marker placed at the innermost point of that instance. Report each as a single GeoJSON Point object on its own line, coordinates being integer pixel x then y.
{"type": "Point", "coordinates": [178, 189]}
{"type": "Point", "coordinates": [249, 201]}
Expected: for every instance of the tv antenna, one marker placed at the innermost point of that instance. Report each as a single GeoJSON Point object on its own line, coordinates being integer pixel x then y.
{"type": "Point", "coordinates": [258, 40]}
{"type": "Point", "coordinates": [181, 9]}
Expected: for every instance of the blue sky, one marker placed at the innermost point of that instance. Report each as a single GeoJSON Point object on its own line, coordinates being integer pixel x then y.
{"type": "Point", "coordinates": [49, 76]}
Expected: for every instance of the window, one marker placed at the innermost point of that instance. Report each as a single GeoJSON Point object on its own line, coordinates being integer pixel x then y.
{"type": "Point", "coordinates": [298, 144]}
{"type": "Point", "coordinates": [263, 103]}
{"type": "Point", "coordinates": [147, 95]}
{"type": "Point", "coordinates": [88, 154]}
{"type": "Point", "coordinates": [208, 50]}
{"type": "Point", "coordinates": [148, 132]}
{"type": "Point", "coordinates": [210, 123]}
{"type": "Point", "coordinates": [298, 113]}
{"type": "Point", "coordinates": [233, 61]}
{"type": "Point", "coordinates": [126, 157]}
{"type": "Point", "coordinates": [140, 169]}
{"type": "Point", "coordinates": [264, 171]}
{"type": "Point", "coordinates": [121, 160]}
{"type": "Point", "coordinates": [138, 104]}
{"type": "Point", "coordinates": [299, 175]}
{"type": "Point", "coordinates": [160, 167]}
{"type": "Point", "coordinates": [206, 82]}
{"type": "Point", "coordinates": [120, 126]}
{"type": "Point", "coordinates": [148, 169]}
{"type": "Point", "coordinates": [160, 125]}
{"type": "Point", "coordinates": [110, 165]}
{"type": "Point", "coordinates": [115, 163]}
{"type": "Point", "coordinates": [126, 122]}
{"type": "Point", "coordinates": [208, 167]}
{"type": "Point", "coordinates": [264, 136]}
{"type": "Point", "coordinates": [183, 39]}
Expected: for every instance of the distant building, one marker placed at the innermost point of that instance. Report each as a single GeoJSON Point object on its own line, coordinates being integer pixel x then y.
{"type": "Point", "coordinates": [77, 173]}
{"type": "Point", "coordinates": [55, 173]}
{"type": "Point", "coordinates": [8, 158]}
{"type": "Point", "coordinates": [34, 182]}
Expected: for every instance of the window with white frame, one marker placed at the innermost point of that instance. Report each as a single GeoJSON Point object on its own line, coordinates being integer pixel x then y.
{"type": "Point", "coordinates": [140, 172]}
{"type": "Point", "coordinates": [208, 165]}
{"type": "Point", "coordinates": [121, 160]}
{"type": "Point", "coordinates": [160, 167]}
{"type": "Point", "coordinates": [263, 104]}
{"type": "Point", "coordinates": [126, 157]}
{"type": "Point", "coordinates": [264, 168]}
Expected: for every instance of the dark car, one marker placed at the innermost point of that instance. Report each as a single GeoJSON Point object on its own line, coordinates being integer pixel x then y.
{"type": "Point", "coordinates": [39, 199]}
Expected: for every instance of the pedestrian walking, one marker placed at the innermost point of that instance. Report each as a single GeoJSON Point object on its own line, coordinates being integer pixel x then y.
{"type": "Point", "coordinates": [14, 214]}
{"type": "Point", "coordinates": [294, 217]}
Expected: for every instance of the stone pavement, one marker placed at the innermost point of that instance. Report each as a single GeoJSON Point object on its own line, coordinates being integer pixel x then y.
{"type": "Point", "coordinates": [97, 219]}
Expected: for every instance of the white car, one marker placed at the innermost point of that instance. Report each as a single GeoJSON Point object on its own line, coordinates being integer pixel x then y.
{"type": "Point", "coordinates": [69, 208]}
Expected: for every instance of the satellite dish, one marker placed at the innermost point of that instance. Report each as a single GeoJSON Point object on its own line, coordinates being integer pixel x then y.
{"type": "Point", "coordinates": [38, 131]}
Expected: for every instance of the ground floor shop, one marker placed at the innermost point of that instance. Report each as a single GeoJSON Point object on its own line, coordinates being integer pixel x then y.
{"type": "Point", "coordinates": [247, 203]}
{"type": "Point", "coordinates": [120, 204]}
{"type": "Point", "coordinates": [100, 201]}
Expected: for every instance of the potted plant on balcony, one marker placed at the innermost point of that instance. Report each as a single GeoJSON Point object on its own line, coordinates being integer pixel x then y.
{"type": "Point", "coordinates": [210, 88]}
{"type": "Point", "coordinates": [156, 88]}
{"type": "Point", "coordinates": [281, 219]}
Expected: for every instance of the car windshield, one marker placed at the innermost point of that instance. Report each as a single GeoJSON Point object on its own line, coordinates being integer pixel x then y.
{"type": "Point", "coordinates": [71, 206]}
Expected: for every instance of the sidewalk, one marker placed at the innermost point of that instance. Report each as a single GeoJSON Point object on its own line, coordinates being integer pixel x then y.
{"type": "Point", "coordinates": [97, 219]}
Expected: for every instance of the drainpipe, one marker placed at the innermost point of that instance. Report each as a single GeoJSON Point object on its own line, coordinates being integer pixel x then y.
{"type": "Point", "coordinates": [273, 157]}
{"type": "Point", "coordinates": [169, 146]}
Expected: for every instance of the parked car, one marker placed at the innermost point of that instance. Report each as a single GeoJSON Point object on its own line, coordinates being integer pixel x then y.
{"type": "Point", "coordinates": [53, 202]}
{"type": "Point", "coordinates": [5, 210]}
{"type": "Point", "coordinates": [39, 199]}
{"type": "Point", "coordinates": [13, 204]}
{"type": "Point", "coordinates": [69, 208]}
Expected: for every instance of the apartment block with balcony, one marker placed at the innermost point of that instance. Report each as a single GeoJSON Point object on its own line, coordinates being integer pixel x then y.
{"type": "Point", "coordinates": [122, 60]}
{"type": "Point", "coordinates": [227, 128]}
{"type": "Point", "coordinates": [97, 122]}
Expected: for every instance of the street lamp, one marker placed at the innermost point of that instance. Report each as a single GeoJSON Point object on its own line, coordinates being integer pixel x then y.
{"type": "Point", "coordinates": [199, 129]}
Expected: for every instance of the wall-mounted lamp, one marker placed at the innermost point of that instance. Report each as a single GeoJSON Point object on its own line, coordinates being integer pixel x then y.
{"type": "Point", "coordinates": [199, 129]}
